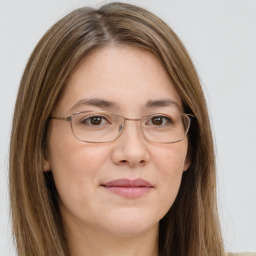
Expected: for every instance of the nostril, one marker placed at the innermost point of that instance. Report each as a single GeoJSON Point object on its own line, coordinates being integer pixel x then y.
{"type": "Point", "coordinates": [142, 162]}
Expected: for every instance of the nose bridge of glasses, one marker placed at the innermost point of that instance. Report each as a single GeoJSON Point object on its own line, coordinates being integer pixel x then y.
{"type": "Point", "coordinates": [129, 125]}
{"type": "Point", "coordinates": [131, 119]}
{"type": "Point", "coordinates": [136, 120]}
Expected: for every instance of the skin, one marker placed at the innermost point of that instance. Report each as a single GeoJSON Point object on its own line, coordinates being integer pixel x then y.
{"type": "Point", "coordinates": [99, 222]}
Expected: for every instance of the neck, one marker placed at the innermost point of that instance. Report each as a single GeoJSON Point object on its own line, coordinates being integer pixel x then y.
{"type": "Point", "coordinates": [84, 241]}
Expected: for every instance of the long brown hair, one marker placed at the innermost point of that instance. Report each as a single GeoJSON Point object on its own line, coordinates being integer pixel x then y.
{"type": "Point", "coordinates": [191, 227]}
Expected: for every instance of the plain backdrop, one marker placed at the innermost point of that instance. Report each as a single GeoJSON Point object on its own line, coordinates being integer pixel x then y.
{"type": "Point", "coordinates": [221, 39]}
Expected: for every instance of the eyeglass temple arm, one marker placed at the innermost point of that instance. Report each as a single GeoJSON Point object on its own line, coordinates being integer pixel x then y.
{"type": "Point", "coordinates": [61, 118]}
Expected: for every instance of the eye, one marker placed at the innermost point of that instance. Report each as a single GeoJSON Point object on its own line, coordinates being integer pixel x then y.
{"type": "Point", "coordinates": [95, 121]}
{"type": "Point", "coordinates": [159, 121]}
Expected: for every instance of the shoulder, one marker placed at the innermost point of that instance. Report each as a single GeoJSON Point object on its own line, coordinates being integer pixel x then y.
{"type": "Point", "coordinates": [242, 254]}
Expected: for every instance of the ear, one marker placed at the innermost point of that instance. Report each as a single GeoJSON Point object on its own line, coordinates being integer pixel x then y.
{"type": "Point", "coordinates": [186, 163]}
{"type": "Point", "coordinates": [47, 166]}
{"type": "Point", "coordinates": [46, 162]}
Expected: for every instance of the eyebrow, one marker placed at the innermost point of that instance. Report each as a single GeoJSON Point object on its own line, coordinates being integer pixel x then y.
{"type": "Point", "coordinates": [161, 103]}
{"type": "Point", "coordinates": [112, 105]}
{"type": "Point", "coordinates": [97, 103]}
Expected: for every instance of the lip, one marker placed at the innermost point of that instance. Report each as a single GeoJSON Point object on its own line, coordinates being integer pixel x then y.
{"type": "Point", "coordinates": [128, 188]}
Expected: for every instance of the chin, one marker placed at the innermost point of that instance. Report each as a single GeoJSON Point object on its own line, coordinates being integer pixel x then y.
{"type": "Point", "coordinates": [131, 229]}
{"type": "Point", "coordinates": [131, 223]}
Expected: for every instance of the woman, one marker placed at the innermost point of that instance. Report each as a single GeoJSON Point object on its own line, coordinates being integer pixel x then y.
{"type": "Point", "coordinates": [111, 148]}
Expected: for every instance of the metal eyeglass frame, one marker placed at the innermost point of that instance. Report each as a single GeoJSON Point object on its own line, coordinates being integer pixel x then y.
{"type": "Point", "coordinates": [69, 119]}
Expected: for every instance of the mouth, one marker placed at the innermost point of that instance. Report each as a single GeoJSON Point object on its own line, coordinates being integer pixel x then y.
{"type": "Point", "coordinates": [128, 188]}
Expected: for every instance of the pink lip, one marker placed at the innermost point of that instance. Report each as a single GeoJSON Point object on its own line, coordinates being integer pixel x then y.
{"type": "Point", "coordinates": [128, 188]}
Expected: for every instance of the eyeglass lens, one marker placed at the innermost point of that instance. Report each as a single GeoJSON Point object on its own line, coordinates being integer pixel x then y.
{"type": "Point", "coordinates": [166, 127]}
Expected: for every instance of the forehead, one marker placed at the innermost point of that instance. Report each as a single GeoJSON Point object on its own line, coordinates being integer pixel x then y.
{"type": "Point", "coordinates": [127, 76]}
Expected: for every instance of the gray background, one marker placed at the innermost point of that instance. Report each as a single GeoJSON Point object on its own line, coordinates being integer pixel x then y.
{"type": "Point", "coordinates": [221, 39]}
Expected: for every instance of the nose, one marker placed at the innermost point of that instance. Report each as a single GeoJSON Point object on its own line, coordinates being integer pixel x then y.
{"type": "Point", "coordinates": [130, 148]}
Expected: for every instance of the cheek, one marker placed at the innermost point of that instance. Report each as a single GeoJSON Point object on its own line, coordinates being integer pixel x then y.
{"type": "Point", "coordinates": [170, 160]}
{"type": "Point", "coordinates": [75, 165]}
{"type": "Point", "coordinates": [74, 162]}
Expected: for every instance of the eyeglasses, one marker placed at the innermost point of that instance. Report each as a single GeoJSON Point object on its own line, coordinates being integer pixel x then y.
{"type": "Point", "coordinates": [103, 126]}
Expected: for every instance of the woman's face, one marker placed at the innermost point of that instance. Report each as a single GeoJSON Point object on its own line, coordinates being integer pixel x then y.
{"type": "Point", "coordinates": [98, 183]}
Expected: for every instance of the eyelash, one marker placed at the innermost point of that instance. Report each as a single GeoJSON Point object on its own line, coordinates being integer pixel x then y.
{"type": "Point", "coordinates": [85, 120]}
{"type": "Point", "coordinates": [167, 119]}
{"type": "Point", "coordinates": [88, 120]}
